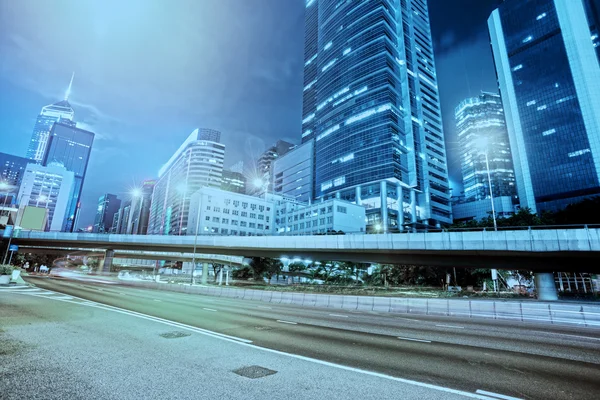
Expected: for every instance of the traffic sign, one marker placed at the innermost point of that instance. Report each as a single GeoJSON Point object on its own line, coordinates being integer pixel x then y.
{"type": "Point", "coordinates": [13, 247]}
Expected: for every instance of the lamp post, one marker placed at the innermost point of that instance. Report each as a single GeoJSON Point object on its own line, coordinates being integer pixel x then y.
{"type": "Point", "coordinates": [484, 145]}
{"type": "Point", "coordinates": [195, 244]}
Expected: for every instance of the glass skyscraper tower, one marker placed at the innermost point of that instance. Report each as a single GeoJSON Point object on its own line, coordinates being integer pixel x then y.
{"type": "Point", "coordinates": [71, 147]}
{"type": "Point", "coordinates": [60, 111]}
{"type": "Point", "coordinates": [196, 164]}
{"type": "Point", "coordinates": [484, 148]}
{"type": "Point", "coordinates": [481, 130]}
{"type": "Point", "coordinates": [546, 56]}
{"type": "Point", "coordinates": [371, 106]}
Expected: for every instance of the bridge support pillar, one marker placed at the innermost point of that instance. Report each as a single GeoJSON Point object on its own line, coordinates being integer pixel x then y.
{"type": "Point", "coordinates": [358, 195]}
{"type": "Point", "coordinates": [384, 206]}
{"type": "Point", "coordinates": [545, 286]}
{"type": "Point", "coordinates": [107, 262]}
{"type": "Point", "coordinates": [400, 198]}
{"type": "Point", "coordinates": [204, 273]}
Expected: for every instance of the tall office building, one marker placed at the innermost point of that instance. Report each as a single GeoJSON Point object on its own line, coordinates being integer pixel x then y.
{"type": "Point", "coordinates": [293, 173]}
{"type": "Point", "coordinates": [71, 147]}
{"type": "Point", "coordinates": [12, 169]}
{"type": "Point", "coordinates": [140, 225]}
{"type": "Point", "coordinates": [233, 181]}
{"type": "Point", "coordinates": [60, 111]}
{"type": "Point", "coordinates": [49, 187]}
{"type": "Point", "coordinates": [484, 147]}
{"type": "Point", "coordinates": [197, 163]}
{"type": "Point", "coordinates": [371, 105]}
{"type": "Point", "coordinates": [264, 166]}
{"type": "Point", "coordinates": [546, 57]}
{"type": "Point", "coordinates": [108, 206]}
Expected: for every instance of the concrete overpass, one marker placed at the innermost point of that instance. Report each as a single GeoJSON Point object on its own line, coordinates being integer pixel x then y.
{"type": "Point", "coordinates": [234, 261]}
{"type": "Point", "coordinates": [539, 250]}
{"type": "Point", "coordinates": [547, 249]}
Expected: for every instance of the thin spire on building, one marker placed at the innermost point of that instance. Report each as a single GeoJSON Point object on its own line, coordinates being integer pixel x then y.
{"type": "Point", "coordinates": [68, 92]}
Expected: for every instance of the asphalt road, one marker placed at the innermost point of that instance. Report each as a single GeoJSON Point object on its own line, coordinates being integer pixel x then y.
{"type": "Point", "coordinates": [511, 359]}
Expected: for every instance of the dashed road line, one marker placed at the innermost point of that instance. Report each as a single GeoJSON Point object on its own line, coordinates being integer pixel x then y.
{"type": "Point", "coordinates": [451, 326]}
{"type": "Point", "coordinates": [287, 322]}
{"type": "Point", "coordinates": [414, 340]}
{"type": "Point", "coordinates": [268, 308]}
{"type": "Point", "coordinates": [209, 309]}
{"type": "Point", "coordinates": [339, 315]}
{"type": "Point", "coordinates": [160, 301]}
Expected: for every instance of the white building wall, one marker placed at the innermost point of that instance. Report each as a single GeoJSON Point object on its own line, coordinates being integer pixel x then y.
{"type": "Point", "coordinates": [322, 217]}
{"type": "Point", "coordinates": [50, 187]}
{"type": "Point", "coordinates": [227, 213]}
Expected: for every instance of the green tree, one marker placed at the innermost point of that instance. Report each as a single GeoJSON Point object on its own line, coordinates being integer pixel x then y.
{"type": "Point", "coordinates": [265, 267]}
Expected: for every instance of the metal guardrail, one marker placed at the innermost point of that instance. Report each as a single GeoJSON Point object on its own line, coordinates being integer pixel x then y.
{"type": "Point", "coordinates": [586, 315]}
{"type": "Point", "coordinates": [27, 233]}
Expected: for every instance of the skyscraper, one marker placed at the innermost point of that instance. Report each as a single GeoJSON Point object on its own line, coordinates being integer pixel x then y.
{"type": "Point", "coordinates": [108, 205]}
{"type": "Point", "coordinates": [233, 181]}
{"type": "Point", "coordinates": [60, 111]}
{"type": "Point", "coordinates": [71, 147]}
{"type": "Point", "coordinates": [264, 166]}
{"type": "Point", "coordinates": [49, 187]}
{"type": "Point", "coordinates": [293, 173]}
{"type": "Point", "coordinates": [140, 226]}
{"type": "Point", "coordinates": [371, 105]}
{"type": "Point", "coordinates": [197, 163]}
{"type": "Point", "coordinates": [546, 57]}
{"type": "Point", "coordinates": [484, 147]}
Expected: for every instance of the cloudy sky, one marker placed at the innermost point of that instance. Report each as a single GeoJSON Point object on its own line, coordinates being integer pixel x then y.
{"type": "Point", "coordinates": [147, 72]}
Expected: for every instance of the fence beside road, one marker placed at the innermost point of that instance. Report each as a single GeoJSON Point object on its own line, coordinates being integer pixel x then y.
{"type": "Point", "coordinates": [558, 313]}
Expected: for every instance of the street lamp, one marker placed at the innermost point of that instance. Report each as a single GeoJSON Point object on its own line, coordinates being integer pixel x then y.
{"type": "Point", "coordinates": [483, 144]}
{"type": "Point", "coordinates": [195, 244]}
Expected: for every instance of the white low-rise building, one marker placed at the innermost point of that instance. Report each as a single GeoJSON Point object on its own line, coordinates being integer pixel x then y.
{"type": "Point", "coordinates": [337, 215]}
{"type": "Point", "coordinates": [216, 211]}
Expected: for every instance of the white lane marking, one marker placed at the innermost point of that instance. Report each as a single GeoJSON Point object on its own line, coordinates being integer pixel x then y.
{"type": "Point", "coordinates": [32, 290]}
{"type": "Point", "coordinates": [268, 308]}
{"type": "Point", "coordinates": [339, 315]}
{"type": "Point", "coordinates": [124, 294]}
{"type": "Point", "coordinates": [451, 326]}
{"type": "Point", "coordinates": [56, 297]}
{"type": "Point", "coordinates": [496, 395]}
{"type": "Point", "coordinates": [414, 340]}
{"type": "Point", "coordinates": [208, 309]}
{"type": "Point", "coordinates": [287, 322]}
{"type": "Point", "coordinates": [248, 343]}
{"type": "Point", "coordinates": [160, 301]}
{"type": "Point", "coordinates": [409, 319]}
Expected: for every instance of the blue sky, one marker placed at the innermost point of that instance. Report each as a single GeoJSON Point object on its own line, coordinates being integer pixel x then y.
{"type": "Point", "coordinates": [147, 72]}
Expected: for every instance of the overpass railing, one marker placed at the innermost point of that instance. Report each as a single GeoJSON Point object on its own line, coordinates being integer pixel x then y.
{"type": "Point", "coordinates": [36, 234]}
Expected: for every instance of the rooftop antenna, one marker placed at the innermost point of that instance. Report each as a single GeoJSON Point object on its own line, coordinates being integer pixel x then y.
{"type": "Point", "coordinates": [68, 92]}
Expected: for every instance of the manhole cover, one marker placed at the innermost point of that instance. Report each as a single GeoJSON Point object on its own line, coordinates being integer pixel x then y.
{"type": "Point", "coordinates": [174, 335]}
{"type": "Point", "coordinates": [254, 372]}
